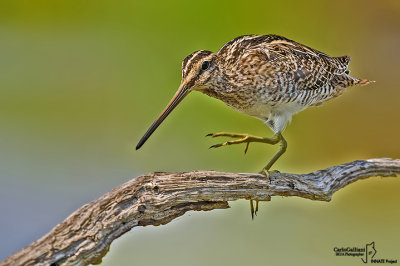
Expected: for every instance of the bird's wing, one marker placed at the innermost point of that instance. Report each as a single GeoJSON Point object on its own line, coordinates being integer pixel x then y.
{"type": "Point", "coordinates": [294, 65]}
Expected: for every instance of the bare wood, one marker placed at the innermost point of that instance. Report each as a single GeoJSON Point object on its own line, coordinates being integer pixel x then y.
{"type": "Point", "coordinates": [157, 198]}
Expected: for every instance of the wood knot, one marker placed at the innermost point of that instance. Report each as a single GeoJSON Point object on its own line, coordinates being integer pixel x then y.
{"type": "Point", "coordinates": [141, 208]}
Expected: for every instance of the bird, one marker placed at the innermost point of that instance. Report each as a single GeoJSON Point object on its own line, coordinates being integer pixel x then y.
{"type": "Point", "coordinates": [268, 77]}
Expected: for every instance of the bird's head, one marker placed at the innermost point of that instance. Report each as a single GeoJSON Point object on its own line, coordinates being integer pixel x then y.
{"type": "Point", "coordinates": [198, 70]}
{"type": "Point", "coordinates": [198, 73]}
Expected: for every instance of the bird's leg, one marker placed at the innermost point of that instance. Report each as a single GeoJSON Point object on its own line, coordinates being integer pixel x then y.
{"type": "Point", "coordinates": [265, 170]}
{"type": "Point", "coordinates": [243, 138]}
{"type": "Point", "coordinates": [282, 149]}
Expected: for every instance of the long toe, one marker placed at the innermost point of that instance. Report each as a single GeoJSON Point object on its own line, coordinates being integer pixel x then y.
{"type": "Point", "coordinates": [252, 209]}
{"type": "Point", "coordinates": [227, 134]}
{"type": "Point", "coordinates": [265, 172]}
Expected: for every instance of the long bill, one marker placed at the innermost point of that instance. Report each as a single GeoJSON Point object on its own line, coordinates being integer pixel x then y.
{"type": "Point", "coordinates": [178, 97]}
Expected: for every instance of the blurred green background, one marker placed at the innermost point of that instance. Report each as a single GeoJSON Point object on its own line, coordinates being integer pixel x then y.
{"type": "Point", "coordinates": [81, 81]}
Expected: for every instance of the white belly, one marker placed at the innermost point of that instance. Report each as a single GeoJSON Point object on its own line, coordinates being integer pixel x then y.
{"type": "Point", "coordinates": [276, 117]}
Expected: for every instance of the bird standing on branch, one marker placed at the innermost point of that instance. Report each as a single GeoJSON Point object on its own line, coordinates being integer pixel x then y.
{"type": "Point", "coordinates": [268, 77]}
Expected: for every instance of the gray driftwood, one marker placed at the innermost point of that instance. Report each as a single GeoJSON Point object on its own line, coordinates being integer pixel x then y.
{"type": "Point", "coordinates": [157, 198]}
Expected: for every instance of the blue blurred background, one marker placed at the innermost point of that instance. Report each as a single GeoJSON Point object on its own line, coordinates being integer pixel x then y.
{"type": "Point", "coordinates": [81, 81]}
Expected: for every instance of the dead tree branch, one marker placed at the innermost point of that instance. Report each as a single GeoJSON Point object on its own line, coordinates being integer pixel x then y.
{"type": "Point", "coordinates": [157, 198]}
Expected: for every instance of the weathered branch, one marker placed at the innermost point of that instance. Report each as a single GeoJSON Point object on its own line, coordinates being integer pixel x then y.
{"type": "Point", "coordinates": [157, 198]}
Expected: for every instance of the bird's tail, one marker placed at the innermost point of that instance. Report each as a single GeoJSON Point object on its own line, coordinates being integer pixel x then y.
{"type": "Point", "coordinates": [342, 78]}
{"type": "Point", "coordinates": [362, 82]}
{"type": "Point", "coordinates": [345, 80]}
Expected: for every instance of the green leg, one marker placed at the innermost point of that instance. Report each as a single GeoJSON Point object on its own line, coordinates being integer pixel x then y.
{"type": "Point", "coordinates": [282, 149]}
{"type": "Point", "coordinates": [265, 170]}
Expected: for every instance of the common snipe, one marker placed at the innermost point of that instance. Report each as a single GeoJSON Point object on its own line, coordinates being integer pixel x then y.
{"type": "Point", "coordinates": [268, 77]}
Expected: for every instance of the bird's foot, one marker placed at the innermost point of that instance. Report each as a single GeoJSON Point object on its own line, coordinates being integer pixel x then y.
{"type": "Point", "coordinates": [246, 138]}
{"type": "Point", "coordinates": [267, 172]}
{"type": "Point", "coordinates": [242, 138]}
{"type": "Point", "coordinates": [267, 175]}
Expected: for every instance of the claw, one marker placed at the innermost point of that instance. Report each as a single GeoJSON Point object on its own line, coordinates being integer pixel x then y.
{"type": "Point", "coordinates": [210, 135]}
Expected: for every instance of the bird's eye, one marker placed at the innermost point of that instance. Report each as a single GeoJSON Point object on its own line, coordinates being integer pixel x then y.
{"type": "Point", "coordinates": [205, 65]}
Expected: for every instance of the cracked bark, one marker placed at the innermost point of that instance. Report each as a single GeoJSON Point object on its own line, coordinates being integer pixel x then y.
{"type": "Point", "coordinates": [154, 199]}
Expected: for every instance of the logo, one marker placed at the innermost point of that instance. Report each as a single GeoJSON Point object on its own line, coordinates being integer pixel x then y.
{"type": "Point", "coordinates": [367, 254]}
{"type": "Point", "coordinates": [370, 252]}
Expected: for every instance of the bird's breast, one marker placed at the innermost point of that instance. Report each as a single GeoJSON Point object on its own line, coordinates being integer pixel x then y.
{"type": "Point", "coordinates": [238, 99]}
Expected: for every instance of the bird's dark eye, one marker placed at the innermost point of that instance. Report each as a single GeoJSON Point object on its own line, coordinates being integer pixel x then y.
{"type": "Point", "coordinates": [205, 65]}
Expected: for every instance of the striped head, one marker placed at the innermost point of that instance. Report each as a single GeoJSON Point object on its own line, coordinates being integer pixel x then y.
{"type": "Point", "coordinates": [199, 71]}
{"type": "Point", "coordinates": [198, 68]}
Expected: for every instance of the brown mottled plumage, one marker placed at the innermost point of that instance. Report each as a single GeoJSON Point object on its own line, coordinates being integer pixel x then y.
{"type": "Point", "coordinates": [268, 77]}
